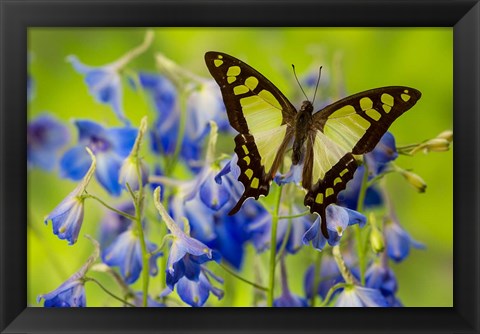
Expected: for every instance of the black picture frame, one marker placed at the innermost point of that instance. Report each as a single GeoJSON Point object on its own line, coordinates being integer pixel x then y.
{"type": "Point", "coordinates": [17, 16]}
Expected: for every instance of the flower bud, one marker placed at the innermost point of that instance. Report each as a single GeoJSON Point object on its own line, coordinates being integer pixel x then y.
{"type": "Point", "coordinates": [415, 181]}
{"type": "Point", "coordinates": [376, 240]}
{"type": "Point", "coordinates": [447, 135]}
{"type": "Point", "coordinates": [128, 173]}
{"type": "Point", "coordinates": [436, 145]}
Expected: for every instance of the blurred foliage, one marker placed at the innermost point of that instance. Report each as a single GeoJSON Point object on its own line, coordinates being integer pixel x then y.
{"type": "Point", "coordinates": [353, 59]}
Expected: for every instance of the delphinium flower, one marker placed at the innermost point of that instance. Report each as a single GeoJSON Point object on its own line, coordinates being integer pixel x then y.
{"type": "Point", "coordinates": [184, 265]}
{"type": "Point", "coordinates": [104, 82]}
{"type": "Point", "coordinates": [397, 240]}
{"type": "Point", "coordinates": [126, 253]}
{"type": "Point", "coordinates": [358, 296]}
{"type": "Point", "coordinates": [381, 277]}
{"type": "Point", "coordinates": [45, 137]}
{"type": "Point", "coordinates": [67, 217]}
{"type": "Point", "coordinates": [114, 224]}
{"type": "Point", "coordinates": [71, 293]}
{"type": "Point", "coordinates": [110, 146]}
{"type": "Point", "coordinates": [287, 299]}
{"type": "Point", "coordinates": [338, 219]}
{"type": "Point", "coordinates": [328, 274]}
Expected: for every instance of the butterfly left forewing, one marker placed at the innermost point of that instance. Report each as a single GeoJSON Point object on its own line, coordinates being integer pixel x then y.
{"type": "Point", "coordinates": [353, 125]}
{"type": "Point", "coordinates": [261, 114]}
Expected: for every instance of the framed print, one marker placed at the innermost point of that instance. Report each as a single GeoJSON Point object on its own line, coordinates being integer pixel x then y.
{"type": "Point", "coordinates": [247, 167]}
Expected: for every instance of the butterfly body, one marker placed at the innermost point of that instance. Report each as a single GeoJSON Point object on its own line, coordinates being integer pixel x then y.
{"type": "Point", "coordinates": [325, 141]}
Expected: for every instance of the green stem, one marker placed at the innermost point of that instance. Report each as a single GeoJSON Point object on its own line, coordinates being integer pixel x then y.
{"type": "Point", "coordinates": [273, 247]}
{"type": "Point", "coordinates": [331, 292]}
{"type": "Point", "coordinates": [284, 241]}
{"type": "Point", "coordinates": [90, 279]}
{"type": "Point", "coordinates": [298, 215]}
{"type": "Point", "coordinates": [316, 278]}
{"type": "Point", "coordinates": [180, 135]}
{"type": "Point", "coordinates": [346, 274]}
{"type": "Point", "coordinates": [358, 231]}
{"type": "Point", "coordinates": [121, 213]}
{"type": "Point", "coordinates": [143, 245]}
{"type": "Point", "coordinates": [231, 272]}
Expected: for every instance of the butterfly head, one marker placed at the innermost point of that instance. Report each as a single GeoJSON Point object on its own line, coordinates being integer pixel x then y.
{"type": "Point", "coordinates": [307, 107]}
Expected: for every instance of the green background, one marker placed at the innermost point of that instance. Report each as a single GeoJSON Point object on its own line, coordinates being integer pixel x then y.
{"type": "Point", "coordinates": [353, 59]}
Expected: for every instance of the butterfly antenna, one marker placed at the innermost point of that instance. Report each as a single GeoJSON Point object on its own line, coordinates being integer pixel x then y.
{"type": "Point", "coordinates": [318, 81]}
{"type": "Point", "coordinates": [295, 74]}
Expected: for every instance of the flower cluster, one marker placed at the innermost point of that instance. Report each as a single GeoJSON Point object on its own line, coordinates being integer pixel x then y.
{"type": "Point", "coordinates": [166, 237]}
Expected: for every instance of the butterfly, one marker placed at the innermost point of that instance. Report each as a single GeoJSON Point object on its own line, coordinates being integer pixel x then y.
{"type": "Point", "coordinates": [325, 141]}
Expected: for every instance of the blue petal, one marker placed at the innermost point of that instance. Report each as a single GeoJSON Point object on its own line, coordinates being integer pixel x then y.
{"type": "Point", "coordinates": [75, 163]}
{"type": "Point", "coordinates": [122, 140]}
{"type": "Point", "coordinates": [214, 195]}
{"type": "Point", "coordinates": [107, 172]}
{"type": "Point", "coordinates": [193, 293]}
{"type": "Point", "coordinates": [89, 129]}
{"type": "Point", "coordinates": [314, 236]}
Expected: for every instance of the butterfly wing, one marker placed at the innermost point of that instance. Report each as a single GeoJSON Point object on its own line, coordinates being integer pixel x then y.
{"type": "Point", "coordinates": [353, 125]}
{"type": "Point", "coordinates": [261, 114]}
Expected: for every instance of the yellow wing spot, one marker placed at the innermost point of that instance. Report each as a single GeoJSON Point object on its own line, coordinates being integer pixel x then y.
{"type": "Point", "coordinates": [406, 91]}
{"type": "Point", "coordinates": [319, 198]}
{"type": "Point", "coordinates": [255, 183]}
{"type": "Point", "coordinates": [247, 160]}
{"type": "Point", "coordinates": [251, 82]}
{"type": "Point", "coordinates": [343, 111]}
{"type": "Point", "coordinates": [366, 103]}
{"type": "Point", "coordinates": [372, 113]}
{"type": "Point", "coordinates": [249, 173]}
{"type": "Point", "coordinates": [220, 57]}
{"type": "Point", "coordinates": [233, 71]}
{"type": "Point", "coordinates": [386, 107]}
{"type": "Point", "coordinates": [231, 79]}
{"type": "Point", "coordinates": [218, 62]}
{"type": "Point", "coordinates": [240, 89]}
{"type": "Point", "coordinates": [387, 99]}
{"type": "Point", "coordinates": [268, 97]}
{"type": "Point", "coordinates": [245, 149]}
{"type": "Point", "coordinates": [337, 180]}
{"type": "Point", "coordinates": [329, 192]}
{"type": "Point", "coordinates": [343, 172]}
{"type": "Point", "coordinates": [405, 97]}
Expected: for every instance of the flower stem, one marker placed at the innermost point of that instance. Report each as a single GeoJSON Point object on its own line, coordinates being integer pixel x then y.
{"type": "Point", "coordinates": [331, 292]}
{"type": "Point", "coordinates": [181, 133]}
{"type": "Point", "coordinates": [346, 274]}
{"type": "Point", "coordinates": [90, 279]}
{"type": "Point", "coordinates": [121, 213]}
{"type": "Point", "coordinates": [231, 272]}
{"type": "Point", "coordinates": [358, 231]}
{"type": "Point", "coordinates": [298, 215]}
{"type": "Point", "coordinates": [273, 247]}
{"type": "Point", "coordinates": [316, 278]}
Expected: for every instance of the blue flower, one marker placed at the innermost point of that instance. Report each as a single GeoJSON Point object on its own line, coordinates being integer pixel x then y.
{"type": "Point", "coordinates": [381, 277]}
{"type": "Point", "coordinates": [338, 218]}
{"type": "Point", "coordinates": [357, 296]}
{"type": "Point", "coordinates": [349, 197]}
{"type": "Point", "coordinates": [126, 253]}
{"type": "Point", "coordinates": [67, 217]}
{"type": "Point", "coordinates": [71, 293]}
{"type": "Point", "coordinates": [382, 154]}
{"type": "Point", "coordinates": [128, 173]}
{"type": "Point", "coordinates": [196, 293]}
{"type": "Point", "coordinates": [189, 266]}
{"type": "Point", "coordinates": [182, 243]}
{"type": "Point", "coordinates": [104, 82]}
{"type": "Point", "coordinates": [110, 146]}
{"type": "Point", "coordinates": [398, 241]}
{"type": "Point", "coordinates": [45, 137]}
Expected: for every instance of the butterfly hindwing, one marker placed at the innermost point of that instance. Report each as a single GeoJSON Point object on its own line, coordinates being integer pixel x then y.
{"type": "Point", "coordinates": [260, 113]}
